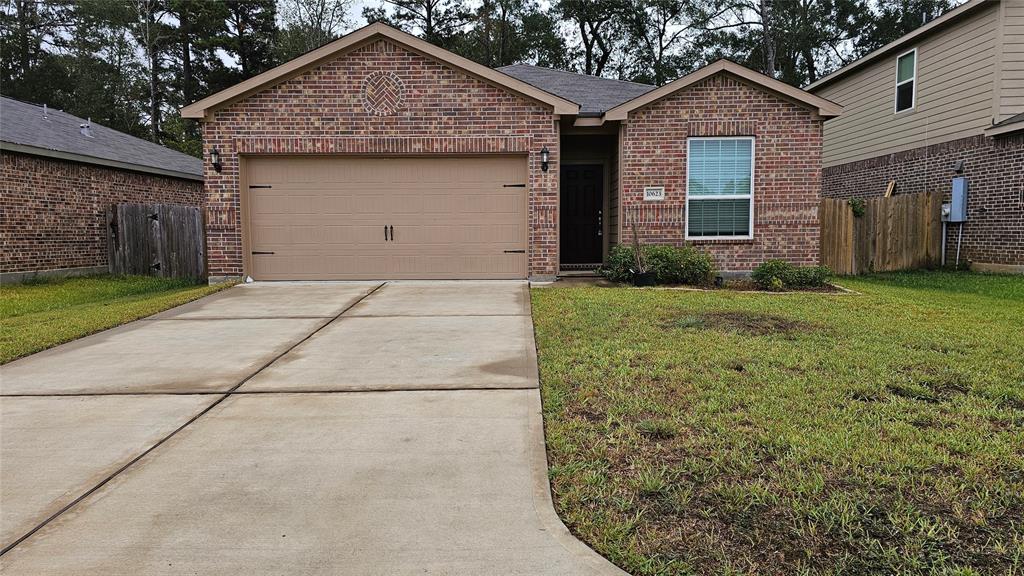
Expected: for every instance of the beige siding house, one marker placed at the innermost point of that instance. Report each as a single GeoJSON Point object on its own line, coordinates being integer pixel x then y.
{"type": "Point", "coordinates": [951, 91]}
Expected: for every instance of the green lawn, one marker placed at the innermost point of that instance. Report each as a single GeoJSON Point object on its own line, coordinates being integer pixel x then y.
{"type": "Point", "coordinates": [741, 433]}
{"type": "Point", "coordinates": [41, 314]}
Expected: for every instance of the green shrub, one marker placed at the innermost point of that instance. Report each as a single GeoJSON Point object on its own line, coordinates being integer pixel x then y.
{"type": "Point", "coordinates": [620, 264]}
{"type": "Point", "coordinates": [670, 265]}
{"type": "Point", "coordinates": [771, 274]}
{"type": "Point", "coordinates": [808, 277]}
{"type": "Point", "coordinates": [779, 275]}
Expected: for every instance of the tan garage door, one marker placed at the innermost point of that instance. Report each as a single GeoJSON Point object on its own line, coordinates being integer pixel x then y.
{"type": "Point", "coordinates": [332, 218]}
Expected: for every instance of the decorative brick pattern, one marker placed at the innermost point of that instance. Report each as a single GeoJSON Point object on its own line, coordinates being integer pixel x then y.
{"type": "Point", "coordinates": [53, 213]}
{"type": "Point", "coordinates": [994, 231]}
{"type": "Point", "coordinates": [787, 170]}
{"type": "Point", "coordinates": [444, 111]}
{"type": "Point", "coordinates": [383, 93]}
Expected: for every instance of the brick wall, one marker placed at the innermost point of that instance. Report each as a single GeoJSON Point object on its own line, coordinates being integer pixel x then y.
{"type": "Point", "coordinates": [321, 111]}
{"type": "Point", "coordinates": [994, 231]}
{"type": "Point", "coordinates": [787, 170]}
{"type": "Point", "coordinates": [52, 214]}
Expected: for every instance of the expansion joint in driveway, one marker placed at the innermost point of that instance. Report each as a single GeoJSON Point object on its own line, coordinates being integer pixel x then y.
{"type": "Point", "coordinates": [200, 414]}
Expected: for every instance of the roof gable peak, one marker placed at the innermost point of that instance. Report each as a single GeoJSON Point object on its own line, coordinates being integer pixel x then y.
{"type": "Point", "coordinates": [202, 109]}
{"type": "Point", "coordinates": [823, 107]}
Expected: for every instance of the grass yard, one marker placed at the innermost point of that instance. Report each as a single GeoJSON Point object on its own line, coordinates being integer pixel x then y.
{"type": "Point", "coordinates": [42, 314]}
{"type": "Point", "coordinates": [742, 433]}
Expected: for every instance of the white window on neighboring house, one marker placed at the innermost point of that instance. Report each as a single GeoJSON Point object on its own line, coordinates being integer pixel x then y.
{"type": "Point", "coordinates": [720, 188]}
{"type": "Point", "coordinates": [906, 80]}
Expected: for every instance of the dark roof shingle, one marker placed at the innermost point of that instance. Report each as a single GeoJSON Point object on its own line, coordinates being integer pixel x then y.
{"type": "Point", "coordinates": [23, 124]}
{"type": "Point", "coordinates": [594, 94]}
{"type": "Point", "coordinates": [1011, 120]}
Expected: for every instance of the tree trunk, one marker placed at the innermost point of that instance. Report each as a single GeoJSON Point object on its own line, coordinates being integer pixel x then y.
{"type": "Point", "coordinates": [767, 26]}
{"type": "Point", "coordinates": [186, 55]}
{"type": "Point", "coordinates": [588, 49]}
{"type": "Point", "coordinates": [154, 76]}
{"type": "Point", "coordinates": [812, 70]}
{"type": "Point", "coordinates": [23, 7]}
{"type": "Point", "coordinates": [602, 59]}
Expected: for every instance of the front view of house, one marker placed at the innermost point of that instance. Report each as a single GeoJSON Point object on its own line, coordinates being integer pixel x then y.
{"type": "Point", "coordinates": [382, 156]}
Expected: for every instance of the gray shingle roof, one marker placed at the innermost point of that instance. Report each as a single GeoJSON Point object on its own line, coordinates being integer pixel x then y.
{"type": "Point", "coordinates": [594, 94]}
{"type": "Point", "coordinates": [23, 124]}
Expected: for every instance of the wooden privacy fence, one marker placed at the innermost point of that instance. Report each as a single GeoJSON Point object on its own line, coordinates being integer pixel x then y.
{"type": "Point", "coordinates": [156, 240]}
{"type": "Point", "coordinates": [895, 233]}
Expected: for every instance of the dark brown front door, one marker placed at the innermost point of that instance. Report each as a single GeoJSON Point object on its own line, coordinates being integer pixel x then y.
{"type": "Point", "coordinates": [581, 214]}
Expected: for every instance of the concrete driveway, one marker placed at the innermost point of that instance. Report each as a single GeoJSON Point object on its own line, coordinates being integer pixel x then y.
{"type": "Point", "coordinates": [294, 428]}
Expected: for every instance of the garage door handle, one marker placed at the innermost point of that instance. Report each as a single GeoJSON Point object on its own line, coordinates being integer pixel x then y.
{"type": "Point", "coordinates": [385, 232]}
{"type": "Point", "coordinates": [392, 233]}
{"type": "Point", "coordinates": [258, 252]}
{"type": "Point", "coordinates": [515, 251]}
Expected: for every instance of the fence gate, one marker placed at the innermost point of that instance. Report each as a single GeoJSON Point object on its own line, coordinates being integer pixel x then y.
{"type": "Point", "coordinates": [896, 233]}
{"type": "Point", "coordinates": [156, 240]}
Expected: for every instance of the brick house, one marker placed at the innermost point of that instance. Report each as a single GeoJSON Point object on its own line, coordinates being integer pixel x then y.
{"type": "Point", "coordinates": [382, 156]}
{"type": "Point", "coordinates": [58, 175]}
{"type": "Point", "coordinates": [947, 96]}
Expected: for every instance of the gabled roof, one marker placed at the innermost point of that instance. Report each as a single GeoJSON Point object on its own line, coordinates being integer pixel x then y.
{"type": "Point", "coordinates": [593, 93]}
{"type": "Point", "coordinates": [950, 17]}
{"type": "Point", "coordinates": [823, 107]}
{"type": "Point", "coordinates": [1011, 124]}
{"type": "Point", "coordinates": [204, 107]}
{"type": "Point", "coordinates": [25, 128]}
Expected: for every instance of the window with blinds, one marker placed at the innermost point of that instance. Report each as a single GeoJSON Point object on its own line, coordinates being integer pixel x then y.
{"type": "Point", "coordinates": [720, 188]}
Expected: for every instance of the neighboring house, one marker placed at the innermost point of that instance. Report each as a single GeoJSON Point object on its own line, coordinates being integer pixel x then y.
{"type": "Point", "coordinates": [59, 174]}
{"type": "Point", "coordinates": [382, 156]}
{"type": "Point", "coordinates": [951, 91]}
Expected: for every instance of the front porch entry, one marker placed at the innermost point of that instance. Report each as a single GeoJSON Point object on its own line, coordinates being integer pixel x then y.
{"type": "Point", "coordinates": [588, 199]}
{"type": "Point", "coordinates": [581, 216]}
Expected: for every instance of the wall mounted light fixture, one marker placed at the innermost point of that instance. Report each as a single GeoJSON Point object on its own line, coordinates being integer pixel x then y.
{"type": "Point", "coordinates": [544, 159]}
{"type": "Point", "coordinates": [215, 159]}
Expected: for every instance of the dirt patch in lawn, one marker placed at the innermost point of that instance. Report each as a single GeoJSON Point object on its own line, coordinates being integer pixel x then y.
{"type": "Point", "coordinates": [750, 323]}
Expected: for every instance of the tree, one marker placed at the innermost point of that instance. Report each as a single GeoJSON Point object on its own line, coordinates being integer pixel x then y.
{"type": "Point", "coordinates": [102, 79]}
{"type": "Point", "coordinates": [153, 34]}
{"type": "Point", "coordinates": [657, 31]}
{"type": "Point", "coordinates": [309, 24]}
{"type": "Point", "coordinates": [505, 32]}
{"type": "Point", "coordinates": [894, 18]}
{"type": "Point", "coordinates": [597, 24]}
{"type": "Point", "coordinates": [251, 33]}
{"type": "Point", "coordinates": [200, 33]}
{"type": "Point", "coordinates": [439, 22]}
{"type": "Point", "coordinates": [793, 40]}
{"type": "Point", "coordinates": [27, 31]}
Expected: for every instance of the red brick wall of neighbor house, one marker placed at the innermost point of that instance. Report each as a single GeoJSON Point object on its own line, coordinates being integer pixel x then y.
{"type": "Point", "coordinates": [53, 212]}
{"type": "Point", "coordinates": [994, 231]}
{"type": "Point", "coordinates": [321, 112]}
{"type": "Point", "coordinates": [787, 170]}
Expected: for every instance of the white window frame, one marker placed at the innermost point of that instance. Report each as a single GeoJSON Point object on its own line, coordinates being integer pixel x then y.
{"type": "Point", "coordinates": [686, 217]}
{"type": "Point", "coordinates": [896, 88]}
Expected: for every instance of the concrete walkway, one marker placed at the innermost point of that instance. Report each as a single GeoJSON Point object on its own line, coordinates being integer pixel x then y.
{"type": "Point", "coordinates": [298, 428]}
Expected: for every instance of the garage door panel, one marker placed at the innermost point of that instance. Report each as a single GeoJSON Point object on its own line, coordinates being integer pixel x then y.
{"type": "Point", "coordinates": [409, 204]}
{"type": "Point", "coordinates": [459, 237]}
{"type": "Point", "coordinates": [324, 217]}
{"type": "Point", "coordinates": [358, 235]}
{"type": "Point", "coordinates": [377, 204]}
{"type": "Point", "coordinates": [277, 203]}
{"type": "Point", "coordinates": [333, 204]}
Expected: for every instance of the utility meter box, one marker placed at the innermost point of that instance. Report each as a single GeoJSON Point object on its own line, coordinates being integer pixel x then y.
{"type": "Point", "coordinates": [956, 210]}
